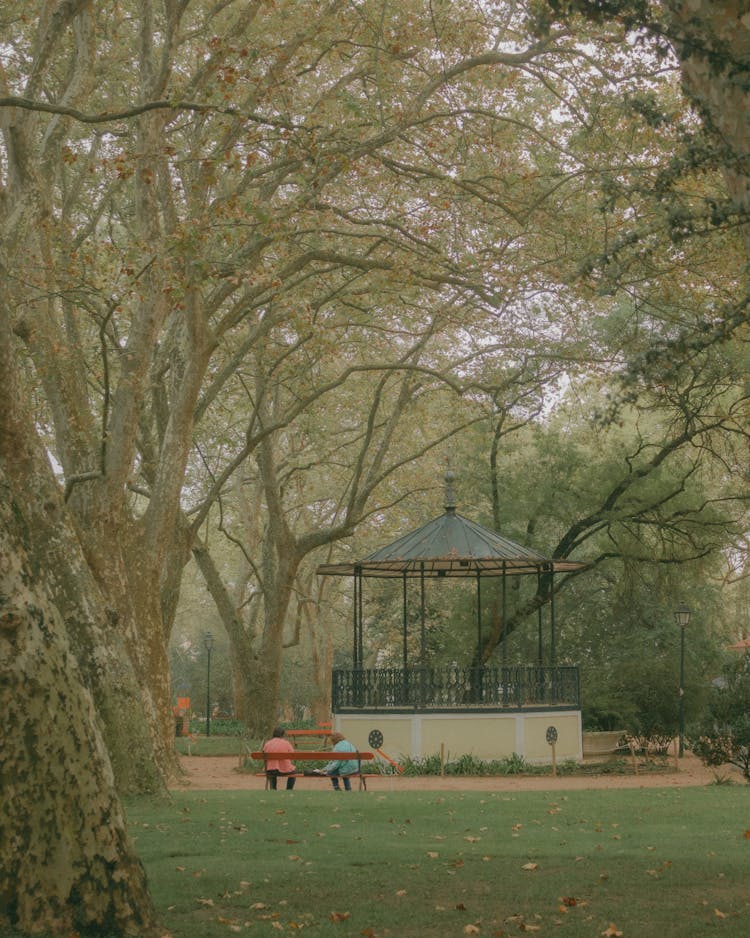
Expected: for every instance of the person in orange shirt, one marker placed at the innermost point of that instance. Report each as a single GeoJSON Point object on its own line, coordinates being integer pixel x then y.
{"type": "Point", "coordinates": [276, 768]}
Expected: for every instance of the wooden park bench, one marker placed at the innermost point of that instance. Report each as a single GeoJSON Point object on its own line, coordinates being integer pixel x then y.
{"type": "Point", "coordinates": [319, 756]}
{"type": "Point", "coordinates": [308, 736]}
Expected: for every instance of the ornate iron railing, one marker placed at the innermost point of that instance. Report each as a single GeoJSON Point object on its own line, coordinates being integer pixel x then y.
{"type": "Point", "coordinates": [450, 689]}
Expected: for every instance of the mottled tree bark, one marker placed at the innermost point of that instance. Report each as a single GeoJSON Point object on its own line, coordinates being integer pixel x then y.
{"type": "Point", "coordinates": [53, 551]}
{"type": "Point", "coordinates": [66, 861]}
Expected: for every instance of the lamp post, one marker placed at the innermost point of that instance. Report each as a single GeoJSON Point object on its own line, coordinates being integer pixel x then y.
{"type": "Point", "coordinates": [208, 644]}
{"type": "Point", "coordinates": [682, 616]}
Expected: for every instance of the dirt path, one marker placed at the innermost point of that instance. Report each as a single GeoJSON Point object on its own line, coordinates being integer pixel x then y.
{"type": "Point", "coordinates": [220, 773]}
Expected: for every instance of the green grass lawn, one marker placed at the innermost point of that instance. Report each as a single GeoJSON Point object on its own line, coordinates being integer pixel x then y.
{"type": "Point", "coordinates": [211, 745]}
{"type": "Point", "coordinates": [646, 862]}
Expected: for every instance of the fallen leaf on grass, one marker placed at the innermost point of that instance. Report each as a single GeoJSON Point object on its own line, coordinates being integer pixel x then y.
{"type": "Point", "coordinates": [471, 930]}
{"type": "Point", "coordinates": [339, 916]}
{"type": "Point", "coordinates": [208, 902]}
{"type": "Point", "coordinates": [473, 840]}
{"type": "Point", "coordinates": [657, 872]}
{"type": "Point", "coordinates": [432, 855]}
{"type": "Point", "coordinates": [530, 867]}
{"type": "Point", "coordinates": [612, 932]}
{"type": "Point", "coordinates": [719, 914]}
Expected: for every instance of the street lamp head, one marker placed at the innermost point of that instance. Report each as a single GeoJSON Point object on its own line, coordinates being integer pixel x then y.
{"type": "Point", "coordinates": [682, 615]}
{"type": "Point", "coordinates": [208, 641]}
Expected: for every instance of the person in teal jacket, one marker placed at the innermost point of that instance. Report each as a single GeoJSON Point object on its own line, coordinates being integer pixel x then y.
{"type": "Point", "coordinates": [337, 768]}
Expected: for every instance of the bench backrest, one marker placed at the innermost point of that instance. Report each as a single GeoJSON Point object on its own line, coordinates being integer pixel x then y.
{"type": "Point", "coordinates": [319, 756]}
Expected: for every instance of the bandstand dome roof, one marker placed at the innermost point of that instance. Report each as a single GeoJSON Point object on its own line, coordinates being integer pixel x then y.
{"type": "Point", "coordinates": [450, 546]}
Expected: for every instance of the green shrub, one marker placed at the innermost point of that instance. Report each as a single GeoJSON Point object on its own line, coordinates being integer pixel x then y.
{"type": "Point", "coordinates": [723, 736]}
{"type": "Point", "coordinates": [429, 765]}
{"type": "Point", "coordinates": [602, 720]}
{"type": "Point", "coordinates": [467, 765]}
{"type": "Point", "coordinates": [514, 764]}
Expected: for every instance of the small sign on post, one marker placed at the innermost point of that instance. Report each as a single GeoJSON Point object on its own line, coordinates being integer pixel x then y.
{"type": "Point", "coordinates": [375, 739]}
{"type": "Point", "coordinates": [552, 740]}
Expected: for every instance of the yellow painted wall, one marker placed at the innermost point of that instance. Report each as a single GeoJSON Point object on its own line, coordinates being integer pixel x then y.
{"type": "Point", "coordinates": [396, 730]}
{"type": "Point", "coordinates": [537, 749]}
{"type": "Point", "coordinates": [484, 736]}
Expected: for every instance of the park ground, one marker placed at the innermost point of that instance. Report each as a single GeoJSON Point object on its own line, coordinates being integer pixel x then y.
{"type": "Point", "coordinates": [222, 773]}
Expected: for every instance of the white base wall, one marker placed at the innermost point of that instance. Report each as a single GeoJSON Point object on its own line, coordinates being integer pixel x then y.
{"type": "Point", "coordinates": [485, 736]}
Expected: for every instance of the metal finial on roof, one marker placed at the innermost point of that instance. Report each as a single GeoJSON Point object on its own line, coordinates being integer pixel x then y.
{"type": "Point", "coordinates": [451, 546]}
{"type": "Point", "coordinates": [450, 497]}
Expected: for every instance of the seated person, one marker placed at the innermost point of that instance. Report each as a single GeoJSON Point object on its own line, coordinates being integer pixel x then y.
{"type": "Point", "coordinates": [340, 768]}
{"type": "Point", "coordinates": [281, 767]}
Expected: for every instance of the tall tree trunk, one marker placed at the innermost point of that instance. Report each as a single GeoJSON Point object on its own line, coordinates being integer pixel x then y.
{"type": "Point", "coordinates": [66, 861]}
{"type": "Point", "coordinates": [53, 551]}
{"type": "Point", "coordinates": [256, 660]}
{"type": "Point", "coordinates": [240, 636]}
{"type": "Point", "coordinates": [320, 639]}
{"type": "Point", "coordinates": [322, 666]}
{"type": "Point", "coordinates": [129, 575]}
{"type": "Point", "coordinates": [264, 682]}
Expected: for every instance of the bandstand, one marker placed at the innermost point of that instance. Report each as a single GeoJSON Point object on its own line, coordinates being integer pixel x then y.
{"type": "Point", "coordinates": [489, 712]}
